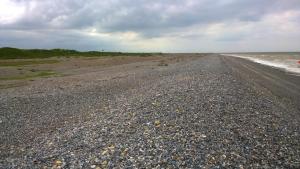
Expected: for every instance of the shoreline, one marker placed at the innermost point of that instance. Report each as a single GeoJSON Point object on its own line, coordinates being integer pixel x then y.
{"type": "Point", "coordinates": [277, 65]}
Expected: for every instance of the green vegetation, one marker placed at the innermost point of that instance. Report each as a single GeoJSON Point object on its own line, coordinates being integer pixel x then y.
{"type": "Point", "coordinates": [26, 62]}
{"type": "Point", "coordinates": [30, 76]}
{"type": "Point", "coordinates": [6, 86]}
{"type": "Point", "coordinates": [14, 53]}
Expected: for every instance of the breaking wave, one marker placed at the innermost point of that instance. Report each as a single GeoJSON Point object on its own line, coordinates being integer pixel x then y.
{"type": "Point", "coordinates": [287, 62]}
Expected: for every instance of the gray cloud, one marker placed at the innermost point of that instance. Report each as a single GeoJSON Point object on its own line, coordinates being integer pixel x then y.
{"type": "Point", "coordinates": [150, 19]}
{"type": "Point", "coordinates": [56, 39]}
{"type": "Point", "coordinates": [141, 15]}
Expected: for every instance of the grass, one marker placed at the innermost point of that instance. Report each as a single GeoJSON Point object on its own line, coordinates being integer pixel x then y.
{"type": "Point", "coordinates": [26, 62]}
{"type": "Point", "coordinates": [30, 76]}
{"type": "Point", "coordinates": [7, 86]}
{"type": "Point", "coordinates": [14, 53]}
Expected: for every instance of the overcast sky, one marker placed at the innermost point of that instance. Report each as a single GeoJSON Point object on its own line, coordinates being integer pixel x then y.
{"type": "Point", "coordinates": [152, 25]}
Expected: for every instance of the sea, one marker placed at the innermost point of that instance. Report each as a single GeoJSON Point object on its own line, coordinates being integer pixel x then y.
{"type": "Point", "coordinates": [287, 61]}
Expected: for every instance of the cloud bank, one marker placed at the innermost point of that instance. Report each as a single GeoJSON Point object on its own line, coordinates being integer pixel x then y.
{"type": "Point", "coordinates": [157, 25]}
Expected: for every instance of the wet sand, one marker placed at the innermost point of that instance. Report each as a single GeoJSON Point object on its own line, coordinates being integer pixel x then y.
{"type": "Point", "coordinates": [283, 84]}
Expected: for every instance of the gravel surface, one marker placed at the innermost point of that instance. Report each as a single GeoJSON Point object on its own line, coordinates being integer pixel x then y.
{"type": "Point", "coordinates": [192, 114]}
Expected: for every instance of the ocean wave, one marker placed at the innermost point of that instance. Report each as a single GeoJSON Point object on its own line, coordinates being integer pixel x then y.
{"type": "Point", "coordinates": [289, 65]}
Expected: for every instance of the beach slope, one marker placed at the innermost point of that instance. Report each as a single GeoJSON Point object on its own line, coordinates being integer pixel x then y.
{"type": "Point", "coordinates": [197, 111]}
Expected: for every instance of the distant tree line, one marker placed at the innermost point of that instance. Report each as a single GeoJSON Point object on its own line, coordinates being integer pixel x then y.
{"type": "Point", "coordinates": [15, 53]}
